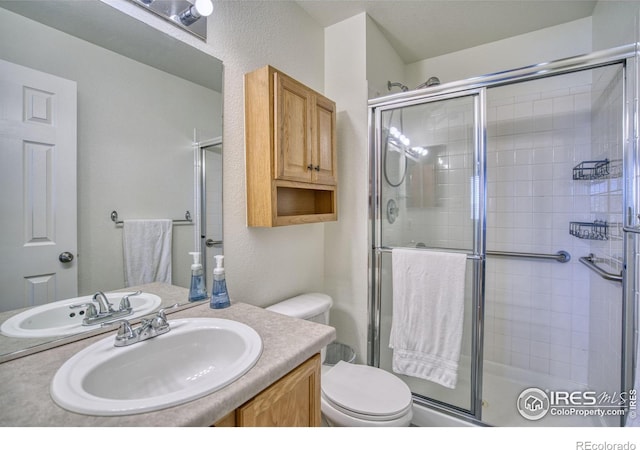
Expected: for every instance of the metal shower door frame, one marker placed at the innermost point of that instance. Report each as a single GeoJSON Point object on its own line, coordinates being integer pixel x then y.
{"type": "Point", "coordinates": [477, 255]}
{"type": "Point", "coordinates": [627, 55]}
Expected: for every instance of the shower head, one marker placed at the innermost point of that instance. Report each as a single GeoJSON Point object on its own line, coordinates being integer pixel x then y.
{"type": "Point", "coordinates": [391, 85]}
{"type": "Point", "coordinates": [433, 81]}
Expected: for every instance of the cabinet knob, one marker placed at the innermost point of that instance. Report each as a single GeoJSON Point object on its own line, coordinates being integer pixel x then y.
{"type": "Point", "coordinates": [317, 168]}
{"type": "Point", "coordinates": [310, 167]}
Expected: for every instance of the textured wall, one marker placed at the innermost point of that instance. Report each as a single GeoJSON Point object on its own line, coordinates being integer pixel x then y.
{"type": "Point", "coordinates": [264, 265]}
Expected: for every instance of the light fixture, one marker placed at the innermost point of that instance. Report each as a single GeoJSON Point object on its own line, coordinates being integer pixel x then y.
{"type": "Point", "coordinates": [200, 8]}
{"type": "Point", "coordinates": [184, 14]}
{"type": "Point", "coordinates": [399, 136]}
{"type": "Point", "coordinates": [421, 151]}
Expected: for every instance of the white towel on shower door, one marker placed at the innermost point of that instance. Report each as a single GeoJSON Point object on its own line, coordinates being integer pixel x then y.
{"type": "Point", "coordinates": [428, 310]}
{"type": "Point", "coordinates": [147, 251]}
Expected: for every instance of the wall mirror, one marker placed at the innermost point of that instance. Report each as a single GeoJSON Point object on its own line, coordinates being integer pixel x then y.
{"type": "Point", "coordinates": [143, 98]}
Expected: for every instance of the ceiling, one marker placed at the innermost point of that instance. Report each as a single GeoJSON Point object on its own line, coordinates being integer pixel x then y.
{"type": "Point", "coordinates": [421, 29]}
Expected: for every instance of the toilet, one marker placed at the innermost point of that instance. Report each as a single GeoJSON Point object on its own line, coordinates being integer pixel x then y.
{"type": "Point", "coordinates": [352, 395]}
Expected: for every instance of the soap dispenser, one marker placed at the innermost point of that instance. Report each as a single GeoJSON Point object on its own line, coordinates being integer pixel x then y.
{"type": "Point", "coordinates": [219, 294]}
{"type": "Point", "coordinates": [198, 290]}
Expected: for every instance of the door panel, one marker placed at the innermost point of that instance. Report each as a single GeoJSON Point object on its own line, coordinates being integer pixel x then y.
{"type": "Point", "coordinates": [38, 180]}
{"type": "Point", "coordinates": [430, 176]}
{"type": "Point", "coordinates": [292, 130]}
{"type": "Point", "coordinates": [325, 164]}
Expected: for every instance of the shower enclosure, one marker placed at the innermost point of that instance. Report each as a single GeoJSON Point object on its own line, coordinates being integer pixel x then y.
{"type": "Point", "coordinates": [531, 173]}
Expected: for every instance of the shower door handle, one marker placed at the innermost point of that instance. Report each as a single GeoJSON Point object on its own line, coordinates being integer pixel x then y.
{"type": "Point", "coordinates": [632, 228]}
{"type": "Point", "coordinates": [635, 230]}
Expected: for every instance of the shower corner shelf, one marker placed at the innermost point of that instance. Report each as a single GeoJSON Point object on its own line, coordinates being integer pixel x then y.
{"type": "Point", "coordinates": [592, 170]}
{"type": "Point", "coordinates": [597, 230]}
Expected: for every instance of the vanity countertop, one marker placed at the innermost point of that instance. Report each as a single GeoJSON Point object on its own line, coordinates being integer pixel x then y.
{"type": "Point", "coordinates": [287, 343]}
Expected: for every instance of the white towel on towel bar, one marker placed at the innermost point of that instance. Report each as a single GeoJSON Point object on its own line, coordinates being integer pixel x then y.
{"type": "Point", "coordinates": [147, 251]}
{"type": "Point", "coordinates": [428, 310]}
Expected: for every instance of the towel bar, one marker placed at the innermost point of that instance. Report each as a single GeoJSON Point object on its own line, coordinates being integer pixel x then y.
{"type": "Point", "coordinates": [187, 218]}
{"type": "Point", "coordinates": [562, 256]}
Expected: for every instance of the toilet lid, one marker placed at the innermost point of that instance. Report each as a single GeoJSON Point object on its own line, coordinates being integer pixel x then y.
{"type": "Point", "coordinates": [366, 390]}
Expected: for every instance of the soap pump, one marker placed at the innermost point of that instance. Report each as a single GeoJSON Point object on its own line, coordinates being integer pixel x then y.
{"type": "Point", "coordinates": [219, 294]}
{"type": "Point", "coordinates": [198, 290]}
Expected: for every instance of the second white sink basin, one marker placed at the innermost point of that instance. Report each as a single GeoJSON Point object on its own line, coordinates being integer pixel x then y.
{"type": "Point", "coordinates": [56, 319]}
{"type": "Point", "coordinates": [196, 357]}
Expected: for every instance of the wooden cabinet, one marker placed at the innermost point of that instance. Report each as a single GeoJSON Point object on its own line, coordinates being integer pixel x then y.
{"type": "Point", "coordinates": [292, 401]}
{"type": "Point", "coordinates": [290, 142]}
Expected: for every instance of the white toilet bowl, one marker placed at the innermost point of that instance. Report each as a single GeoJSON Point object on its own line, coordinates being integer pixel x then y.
{"type": "Point", "coordinates": [353, 395]}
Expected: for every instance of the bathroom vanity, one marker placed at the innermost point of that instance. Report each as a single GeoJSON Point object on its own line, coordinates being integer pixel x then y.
{"type": "Point", "coordinates": [281, 389]}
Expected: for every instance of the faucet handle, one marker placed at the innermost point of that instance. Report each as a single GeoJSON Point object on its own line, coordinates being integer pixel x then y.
{"type": "Point", "coordinates": [91, 309]}
{"type": "Point", "coordinates": [125, 332]}
{"type": "Point", "coordinates": [161, 314]}
{"type": "Point", "coordinates": [160, 321]}
{"type": "Point", "coordinates": [125, 303]}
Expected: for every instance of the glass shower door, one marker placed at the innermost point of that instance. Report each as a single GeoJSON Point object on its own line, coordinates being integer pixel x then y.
{"type": "Point", "coordinates": [429, 174]}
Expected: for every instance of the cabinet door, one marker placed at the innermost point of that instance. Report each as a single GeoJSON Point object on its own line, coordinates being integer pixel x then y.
{"type": "Point", "coordinates": [292, 133]}
{"type": "Point", "coordinates": [293, 401]}
{"type": "Point", "coordinates": [324, 141]}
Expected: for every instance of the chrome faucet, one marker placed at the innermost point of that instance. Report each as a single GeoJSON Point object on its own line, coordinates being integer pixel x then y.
{"type": "Point", "coordinates": [105, 311]}
{"type": "Point", "coordinates": [149, 328]}
{"type": "Point", "coordinates": [104, 307]}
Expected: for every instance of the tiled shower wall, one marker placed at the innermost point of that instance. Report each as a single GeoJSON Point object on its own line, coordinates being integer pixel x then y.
{"type": "Point", "coordinates": [435, 209]}
{"type": "Point", "coordinates": [546, 317]}
{"type": "Point", "coordinates": [542, 316]}
{"type": "Point", "coordinates": [537, 311]}
{"type": "Point", "coordinates": [606, 204]}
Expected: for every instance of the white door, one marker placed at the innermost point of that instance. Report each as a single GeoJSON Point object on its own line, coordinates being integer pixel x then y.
{"type": "Point", "coordinates": [38, 218]}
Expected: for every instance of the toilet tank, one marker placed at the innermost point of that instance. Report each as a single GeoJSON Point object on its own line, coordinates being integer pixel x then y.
{"type": "Point", "coordinates": [313, 307]}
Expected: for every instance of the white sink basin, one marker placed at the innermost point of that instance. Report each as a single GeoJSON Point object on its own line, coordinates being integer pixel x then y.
{"type": "Point", "coordinates": [56, 319]}
{"type": "Point", "coordinates": [196, 357]}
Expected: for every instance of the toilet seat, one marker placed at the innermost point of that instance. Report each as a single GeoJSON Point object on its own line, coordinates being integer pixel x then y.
{"type": "Point", "coordinates": [366, 392]}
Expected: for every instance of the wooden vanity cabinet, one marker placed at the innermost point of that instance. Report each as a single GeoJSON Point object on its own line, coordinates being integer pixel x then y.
{"type": "Point", "coordinates": [290, 143]}
{"type": "Point", "coordinates": [292, 401]}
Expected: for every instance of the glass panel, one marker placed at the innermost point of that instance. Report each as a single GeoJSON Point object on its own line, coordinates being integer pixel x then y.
{"type": "Point", "coordinates": [427, 172]}
{"type": "Point", "coordinates": [430, 198]}
{"type": "Point", "coordinates": [550, 325]}
{"type": "Point", "coordinates": [459, 397]}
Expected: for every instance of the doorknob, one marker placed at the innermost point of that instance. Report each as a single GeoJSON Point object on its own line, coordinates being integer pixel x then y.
{"type": "Point", "coordinates": [65, 257]}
